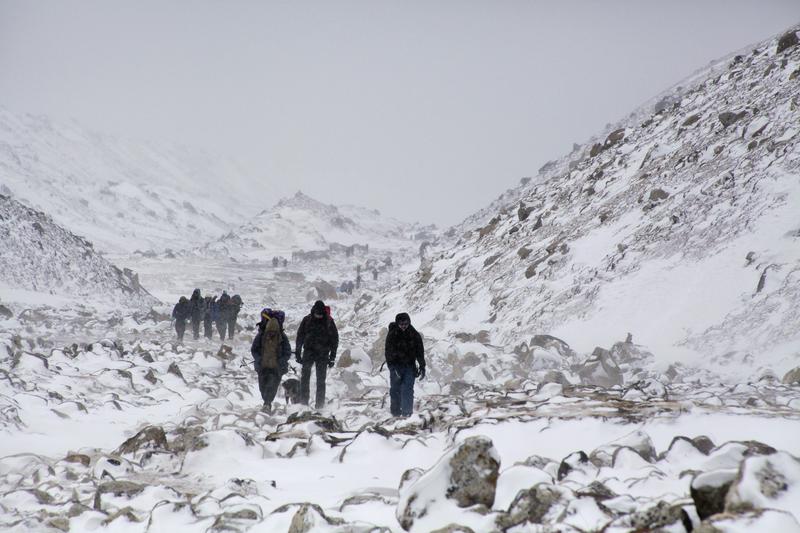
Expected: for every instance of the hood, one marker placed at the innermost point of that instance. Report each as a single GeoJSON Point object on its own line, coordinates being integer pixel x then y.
{"type": "Point", "coordinates": [318, 307]}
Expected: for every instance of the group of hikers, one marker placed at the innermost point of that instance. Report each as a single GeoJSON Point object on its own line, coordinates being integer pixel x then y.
{"type": "Point", "coordinates": [316, 344]}
{"type": "Point", "coordinates": [208, 310]}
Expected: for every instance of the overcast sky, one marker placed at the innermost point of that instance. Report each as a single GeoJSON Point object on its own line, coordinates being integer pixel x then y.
{"type": "Point", "coordinates": [426, 110]}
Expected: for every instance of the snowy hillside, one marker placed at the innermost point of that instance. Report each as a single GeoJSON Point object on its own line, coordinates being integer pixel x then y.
{"type": "Point", "coordinates": [121, 195]}
{"type": "Point", "coordinates": [301, 223]}
{"type": "Point", "coordinates": [39, 256]}
{"type": "Point", "coordinates": [682, 229]}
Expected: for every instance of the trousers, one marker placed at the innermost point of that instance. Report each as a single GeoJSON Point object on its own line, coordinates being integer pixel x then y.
{"type": "Point", "coordinates": [401, 389]}
{"type": "Point", "coordinates": [321, 366]}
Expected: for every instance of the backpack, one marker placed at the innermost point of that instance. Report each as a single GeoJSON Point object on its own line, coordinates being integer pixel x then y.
{"type": "Point", "coordinates": [273, 313]}
{"type": "Point", "coordinates": [328, 311]}
{"type": "Point", "coordinates": [270, 344]}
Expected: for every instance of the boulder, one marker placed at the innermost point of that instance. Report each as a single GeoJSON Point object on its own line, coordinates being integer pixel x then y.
{"type": "Point", "coordinates": [655, 518]}
{"type": "Point", "coordinates": [5, 312]}
{"type": "Point", "coordinates": [792, 377]}
{"type": "Point", "coordinates": [729, 117]}
{"type": "Point", "coordinates": [150, 438]}
{"type": "Point", "coordinates": [615, 137]}
{"type": "Point", "coordinates": [629, 353]}
{"type": "Point", "coordinates": [787, 41]}
{"type": "Point", "coordinates": [118, 488]}
{"type": "Point", "coordinates": [548, 342]}
{"type": "Point", "coordinates": [765, 481]}
{"type": "Point", "coordinates": [708, 491]}
{"type": "Point", "coordinates": [465, 476]}
{"type": "Point", "coordinates": [601, 370]}
{"type": "Point", "coordinates": [325, 291]}
{"type": "Point", "coordinates": [760, 520]}
{"type": "Point", "coordinates": [532, 505]}
{"type": "Point", "coordinates": [657, 195]}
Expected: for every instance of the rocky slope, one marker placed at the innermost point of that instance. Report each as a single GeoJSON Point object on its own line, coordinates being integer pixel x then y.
{"type": "Point", "coordinates": [679, 226]}
{"type": "Point", "coordinates": [40, 256]}
{"type": "Point", "coordinates": [122, 195]}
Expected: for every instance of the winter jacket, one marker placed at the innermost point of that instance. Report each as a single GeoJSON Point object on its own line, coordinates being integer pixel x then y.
{"type": "Point", "coordinates": [198, 307]}
{"type": "Point", "coordinates": [283, 358]}
{"type": "Point", "coordinates": [404, 347]}
{"type": "Point", "coordinates": [318, 337]}
{"type": "Point", "coordinates": [182, 310]}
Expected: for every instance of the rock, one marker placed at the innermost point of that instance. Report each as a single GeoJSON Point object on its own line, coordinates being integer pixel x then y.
{"type": "Point", "coordinates": [308, 517]}
{"type": "Point", "coordinates": [555, 376]}
{"type": "Point", "coordinates": [704, 444]}
{"type": "Point", "coordinates": [524, 212]}
{"type": "Point", "coordinates": [475, 468]}
{"type": "Point", "coordinates": [787, 41]}
{"type": "Point", "coordinates": [708, 491]}
{"type": "Point", "coordinates": [595, 150]}
{"type": "Point", "coordinates": [78, 458]}
{"type": "Point", "coordinates": [761, 520]}
{"type": "Point", "coordinates": [728, 117]}
{"type": "Point", "coordinates": [601, 370]}
{"type": "Point", "coordinates": [459, 387]}
{"type": "Point", "coordinates": [175, 370]}
{"type": "Point", "coordinates": [362, 301]}
{"type": "Point", "coordinates": [792, 377]}
{"type": "Point", "coordinates": [325, 291]}
{"type": "Point", "coordinates": [188, 439]}
{"type": "Point", "coordinates": [654, 518]}
{"type": "Point", "coordinates": [629, 353]}
{"type": "Point", "coordinates": [615, 137]}
{"type": "Point", "coordinates": [548, 342]}
{"type": "Point", "coordinates": [765, 481]}
{"type": "Point", "coordinates": [656, 195]}
{"type": "Point", "coordinates": [150, 438]}
{"type": "Point", "coordinates": [118, 488]}
{"type": "Point", "coordinates": [5, 312]}
{"type": "Point", "coordinates": [531, 505]}
{"type": "Point", "coordinates": [691, 120]}
{"type": "Point", "coordinates": [454, 528]}
{"type": "Point", "coordinates": [465, 476]}
{"type": "Point", "coordinates": [575, 460]}
{"type": "Point", "coordinates": [596, 490]}
{"type": "Point", "coordinates": [666, 103]}
{"type": "Point", "coordinates": [409, 477]}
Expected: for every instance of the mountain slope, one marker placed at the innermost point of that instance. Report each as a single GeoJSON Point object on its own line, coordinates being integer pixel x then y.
{"type": "Point", "coordinates": [301, 223]}
{"type": "Point", "coordinates": [121, 195]}
{"type": "Point", "coordinates": [682, 229]}
{"type": "Point", "coordinates": [38, 255]}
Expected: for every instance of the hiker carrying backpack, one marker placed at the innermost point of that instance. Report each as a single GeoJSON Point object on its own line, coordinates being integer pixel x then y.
{"type": "Point", "coordinates": [271, 352]}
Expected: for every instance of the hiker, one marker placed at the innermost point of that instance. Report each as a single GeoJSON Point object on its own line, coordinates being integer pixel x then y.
{"type": "Point", "coordinates": [222, 314]}
{"type": "Point", "coordinates": [316, 345]}
{"type": "Point", "coordinates": [271, 352]}
{"type": "Point", "coordinates": [197, 311]}
{"type": "Point", "coordinates": [275, 261]}
{"type": "Point", "coordinates": [405, 358]}
{"type": "Point", "coordinates": [208, 322]}
{"type": "Point", "coordinates": [180, 313]}
{"type": "Point", "coordinates": [234, 306]}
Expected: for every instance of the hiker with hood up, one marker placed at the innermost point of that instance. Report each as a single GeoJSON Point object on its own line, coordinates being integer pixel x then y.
{"type": "Point", "coordinates": [405, 358]}
{"type": "Point", "coordinates": [234, 306]}
{"type": "Point", "coordinates": [222, 314]}
{"type": "Point", "coordinates": [315, 346]}
{"type": "Point", "coordinates": [198, 310]}
{"type": "Point", "coordinates": [208, 321]}
{"type": "Point", "coordinates": [180, 313]}
{"type": "Point", "coordinates": [271, 352]}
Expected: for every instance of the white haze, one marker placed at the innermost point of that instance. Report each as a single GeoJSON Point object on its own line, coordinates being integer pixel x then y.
{"type": "Point", "coordinates": [366, 102]}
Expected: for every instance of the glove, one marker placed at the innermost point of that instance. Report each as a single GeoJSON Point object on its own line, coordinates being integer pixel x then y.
{"type": "Point", "coordinates": [331, 361]}
{"type": "Point", "coordinates": [421, 372]}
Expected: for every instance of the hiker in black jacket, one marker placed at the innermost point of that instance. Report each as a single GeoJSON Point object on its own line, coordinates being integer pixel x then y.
{"type": "Point", "coordinates": [197, 311]}
{"type": "Point", "coordinates": [271, 352]}
{"type": "Point", "coordinates": [405, 358]}
{"type": "Point", "coordinates": [316, 345]}
{"type": "Point", "coordinates": [180, 313]}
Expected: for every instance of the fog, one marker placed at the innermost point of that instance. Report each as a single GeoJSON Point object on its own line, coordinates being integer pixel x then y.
{"type": "Point", "coordinates": [426, 111]}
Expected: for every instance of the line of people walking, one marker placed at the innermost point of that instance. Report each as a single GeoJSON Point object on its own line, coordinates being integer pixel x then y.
{"type": "Point", "coordinates": [316, 345]}
{"type": "Point", "coordinates": [208, 311]}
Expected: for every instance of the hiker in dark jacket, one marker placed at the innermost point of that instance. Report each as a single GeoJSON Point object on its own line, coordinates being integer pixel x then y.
{"type": "Point", "coordinates": [198, 310]}
{"type": "Point", "coordinates": [208, 321]}
{"type": "Point", "coordinates": [222, 314]}
{"type": "Point", "coordinates": [234, 306]}
{"type": "Point", "coordinates": [271, 352]}
{"type": "Point", "coordinates": [405, 358]}
{"type": "Point", "coordinates": [180, 313]}
{"type": "Point", "coordinates": [316, 345]}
